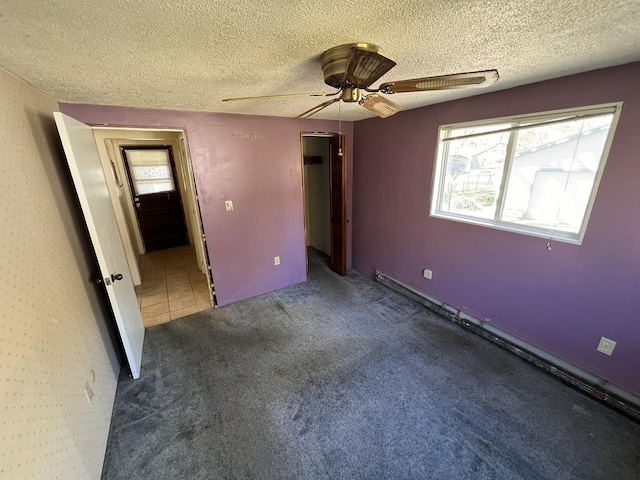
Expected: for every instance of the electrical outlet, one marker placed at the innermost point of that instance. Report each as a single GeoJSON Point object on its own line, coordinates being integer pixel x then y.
{"type": "Point", "coordinates": [88, 392]}
{"type": "Point", "coordinates": [428, 274]}
{"type": "Point", "coordinates": [606, 346]}
{"type": "Point", "coordinates": [276, 260]}
{"type": "Point", "coordinates": [228, 205]}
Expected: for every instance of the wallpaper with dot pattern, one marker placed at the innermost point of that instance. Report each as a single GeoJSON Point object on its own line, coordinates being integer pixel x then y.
{"type": "Point", "coordinates": [54, 335]}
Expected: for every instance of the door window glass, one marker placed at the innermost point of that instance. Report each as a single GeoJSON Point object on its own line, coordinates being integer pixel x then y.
{"type": "Point", "coordinates": [150, 171]}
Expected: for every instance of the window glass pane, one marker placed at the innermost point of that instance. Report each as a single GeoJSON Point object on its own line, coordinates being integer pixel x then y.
{"type": "Point", "coordinates": [553, 172]}
{"type": "Point", "coordinates": [143, 188]}
{"type": "Point", "coordinates": [151, 172]}
{"type": "Point", "coordinates": [473, 172]}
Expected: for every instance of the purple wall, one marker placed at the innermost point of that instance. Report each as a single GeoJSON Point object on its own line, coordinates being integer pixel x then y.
{"type": "Point", "coordinates": [564, 300]}
{"type": "Point", "coordinates": [262, 177]}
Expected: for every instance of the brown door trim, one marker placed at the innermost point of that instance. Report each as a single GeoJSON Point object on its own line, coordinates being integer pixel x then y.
{"type": "Point", "coordinates": [338, 207]}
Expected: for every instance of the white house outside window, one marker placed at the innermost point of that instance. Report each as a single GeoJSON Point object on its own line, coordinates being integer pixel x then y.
{"type": "Point", "coordinates": [533, 174]}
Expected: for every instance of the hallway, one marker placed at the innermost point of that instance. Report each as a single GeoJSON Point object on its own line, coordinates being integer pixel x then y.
{"type": "Point", "coordinates": [172, 286]}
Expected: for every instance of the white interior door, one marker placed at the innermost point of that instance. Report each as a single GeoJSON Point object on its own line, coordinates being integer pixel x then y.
{"type": "Point", "coordinates": [86, 170]}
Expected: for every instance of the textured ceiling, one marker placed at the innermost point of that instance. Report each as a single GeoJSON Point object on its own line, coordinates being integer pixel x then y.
{"type": "Point", "coordinates": [190, 54]}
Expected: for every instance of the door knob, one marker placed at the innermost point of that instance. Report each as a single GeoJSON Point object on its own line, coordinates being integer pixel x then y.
{"type": "Point", "coordinates": [115, 277]}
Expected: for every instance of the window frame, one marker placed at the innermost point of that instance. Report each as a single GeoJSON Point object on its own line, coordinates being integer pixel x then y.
{"type": "Point", "coordinates": [520, 122]}
{"type": "Point", "coordinates": [125, 149]}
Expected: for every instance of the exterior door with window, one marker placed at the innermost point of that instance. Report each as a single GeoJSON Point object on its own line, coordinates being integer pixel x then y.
{"type": "Point", "coordinates": [156, 196]}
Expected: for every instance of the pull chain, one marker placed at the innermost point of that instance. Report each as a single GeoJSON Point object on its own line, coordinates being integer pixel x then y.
{"type": "Point", "coordinates": [340, 129]}
{"type": "Point", "coordinates": [566, 183]}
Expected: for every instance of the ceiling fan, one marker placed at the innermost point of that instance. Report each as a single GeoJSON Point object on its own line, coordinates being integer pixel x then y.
{"type": "Point", "coordinates": [352, 68]}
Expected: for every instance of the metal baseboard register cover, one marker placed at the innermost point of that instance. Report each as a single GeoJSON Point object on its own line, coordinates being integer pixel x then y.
{"type": "Point", "coordinates": [589, 383]}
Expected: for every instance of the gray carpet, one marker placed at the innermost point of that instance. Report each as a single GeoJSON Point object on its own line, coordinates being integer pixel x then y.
{"type": "Point", "coordinates": [342, 378]}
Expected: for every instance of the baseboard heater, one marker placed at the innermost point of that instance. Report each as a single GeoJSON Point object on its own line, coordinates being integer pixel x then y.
{"type": "Point", "coordinates": [569, 373]}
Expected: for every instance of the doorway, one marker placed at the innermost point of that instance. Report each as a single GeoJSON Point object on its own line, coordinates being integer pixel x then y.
{"type": "Point", "coordinates": [324, 185]}
{"type": "Point", "coordinates": [175, 269]}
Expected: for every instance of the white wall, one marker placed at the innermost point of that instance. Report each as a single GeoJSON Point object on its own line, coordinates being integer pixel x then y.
{"type": "Point", "coordinates": [317, 195]}
{"type": "Point", "coordinates": [54, 323]}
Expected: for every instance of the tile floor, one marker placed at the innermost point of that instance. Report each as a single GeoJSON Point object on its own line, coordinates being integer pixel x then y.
{"type": "Point", "coordinates": [172, 286]}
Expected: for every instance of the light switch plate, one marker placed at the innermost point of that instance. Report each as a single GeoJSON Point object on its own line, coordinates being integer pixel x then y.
{"type": "Point", "coordinates": [606, 346]}
{"type": "Point", "coordinates": [228, 205]}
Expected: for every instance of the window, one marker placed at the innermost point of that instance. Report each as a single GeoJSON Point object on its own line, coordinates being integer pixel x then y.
{"type": "Point", "coordinates": [535, 174]}
{"type": "Point", "coordinates": [150, 170]}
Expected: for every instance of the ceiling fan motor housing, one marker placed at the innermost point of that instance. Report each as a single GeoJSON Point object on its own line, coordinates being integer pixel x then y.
{"type": "Point", "coordinates": [335, 60]}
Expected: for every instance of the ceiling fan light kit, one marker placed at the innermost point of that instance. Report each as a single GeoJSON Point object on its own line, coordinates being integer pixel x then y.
{"type": "Point", "coordinates": [379, 105]}
{"type": "Point", "coordinates": [352, 69]}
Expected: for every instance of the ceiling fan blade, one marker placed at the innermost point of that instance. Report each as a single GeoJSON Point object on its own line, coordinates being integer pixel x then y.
{"type": "Point", "coordinates": [366, 65]}
{"type": "Point", "coordinates": [479, 79]}
{"type": "Point", "coordinates": [317, 108]}
{"type": "Point", "coordinates": [321, 94]}
{"type": "Point", "coordinates": [380, 105]}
